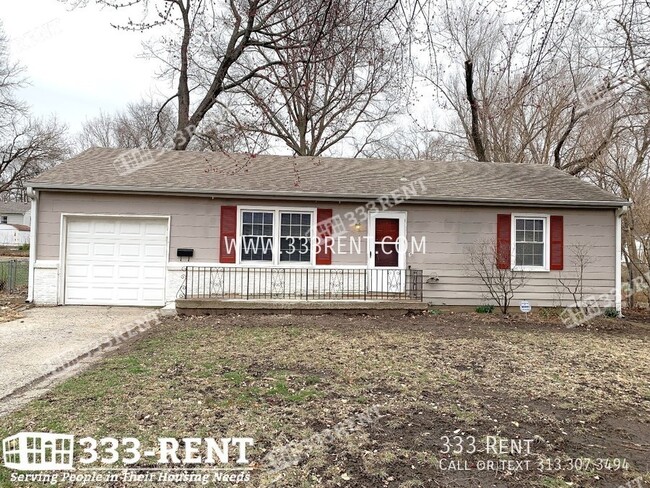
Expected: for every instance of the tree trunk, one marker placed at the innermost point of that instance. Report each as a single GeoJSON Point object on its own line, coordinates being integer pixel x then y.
{"type": "Point", "coordinates": [477, 140]}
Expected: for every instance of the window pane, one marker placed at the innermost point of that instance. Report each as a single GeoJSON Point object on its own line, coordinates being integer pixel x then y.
{"type": "Point", "coordinates": [519, 255]}
{"type": "Point", "coordinates": [538, 254]}
{"type": "Point", "coordinates": [295, 249]}
{"type": "Point", "coordinates": [293, 245]}
{"type": "Point", "coordinates": [529, 242]}
{"type": "Point", "coordinates": [257, 248]}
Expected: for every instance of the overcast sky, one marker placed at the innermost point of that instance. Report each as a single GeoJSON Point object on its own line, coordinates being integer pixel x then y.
{"type": "Point", "coordinates": [76, 63]}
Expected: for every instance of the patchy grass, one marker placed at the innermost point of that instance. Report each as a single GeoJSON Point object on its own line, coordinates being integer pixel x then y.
{"type": "Point", "coordinates": [577, 393]}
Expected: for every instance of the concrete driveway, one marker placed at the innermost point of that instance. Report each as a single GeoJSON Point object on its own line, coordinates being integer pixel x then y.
{"type": "Point", "coordinates": [51, 342]}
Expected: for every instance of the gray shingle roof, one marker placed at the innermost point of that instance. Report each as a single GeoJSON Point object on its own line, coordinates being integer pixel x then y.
{"type": "Point", "coordinates": [14, 207]}
{"type": "Point", "coordinates": [319, 177]}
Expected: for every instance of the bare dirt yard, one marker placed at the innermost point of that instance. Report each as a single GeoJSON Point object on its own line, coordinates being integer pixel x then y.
{"type": "Point", "coordinates": [12, 306]}
{"type": "Point", "coordinates": [437, 400]}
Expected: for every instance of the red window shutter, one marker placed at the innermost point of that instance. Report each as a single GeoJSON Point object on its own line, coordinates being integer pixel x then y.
{"type": "Point", "coordinates": [557, 242]}
{"type": "Point", "coordinates": [503, 241]}
{"type": "Point", "coordinates": [324, 232]}
{"type": "Point", "coordinates": [228, 240]}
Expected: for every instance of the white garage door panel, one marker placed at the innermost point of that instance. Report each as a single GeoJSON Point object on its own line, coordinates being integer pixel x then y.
{"type": "Point", "coordinates": [115, 261]}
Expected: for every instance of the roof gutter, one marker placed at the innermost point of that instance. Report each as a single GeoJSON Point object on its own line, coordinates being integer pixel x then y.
{"type": "Point", "coordinates": [309, 196]}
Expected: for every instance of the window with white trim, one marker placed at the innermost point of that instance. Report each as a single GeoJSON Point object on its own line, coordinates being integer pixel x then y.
{"type": "Point", "coordinates": [531, 242]}
{"type": "Point", "coordinates": [295, 243]}
{"type": "Point", "coordinates": [274, 236]}
{"type": "Point", "coordinates": [257, 236]}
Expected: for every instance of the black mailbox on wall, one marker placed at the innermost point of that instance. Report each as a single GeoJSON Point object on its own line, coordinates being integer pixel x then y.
{"type": "Point", "coordinates": [184, 252]}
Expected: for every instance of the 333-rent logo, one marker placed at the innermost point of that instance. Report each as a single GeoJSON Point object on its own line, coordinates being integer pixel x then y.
{"type": "Point", "coordinates": [41, 451]}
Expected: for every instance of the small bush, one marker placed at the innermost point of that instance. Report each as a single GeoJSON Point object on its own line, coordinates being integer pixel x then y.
{"type": "Point", "coordinates": [611, 312]}
{"type": "Point", "coordinates": [24, 247]}
{"type": "Point", "coordinates": [434, 311]}
{"type": "Point", "coordinates": [485, 309]}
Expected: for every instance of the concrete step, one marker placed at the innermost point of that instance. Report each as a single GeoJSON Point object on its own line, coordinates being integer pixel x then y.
{"type": "Point", "coordinates": [201, 306]}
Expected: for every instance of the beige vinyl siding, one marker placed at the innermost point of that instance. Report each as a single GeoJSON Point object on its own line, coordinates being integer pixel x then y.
{"type": "Point", "coordinates": [194, 220]}
{"type": "Point", "coordinates": [449, 232]}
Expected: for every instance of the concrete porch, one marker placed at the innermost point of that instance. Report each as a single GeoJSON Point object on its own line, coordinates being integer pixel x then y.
{"type": "Point", "coordinates": [209, 306]}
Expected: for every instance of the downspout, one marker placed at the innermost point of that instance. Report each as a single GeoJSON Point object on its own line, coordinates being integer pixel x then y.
{"type": "Point", "coordinates": [619, 249]}
{"type": "Point", "coordinates": [33, 195]}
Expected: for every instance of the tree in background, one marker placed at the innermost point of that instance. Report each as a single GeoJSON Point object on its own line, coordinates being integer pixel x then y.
{"type": "Point", "coordinates": [345, 76]}
{"type": "Point", "coordinates": [141, 124]}
{"type": "Point", "coordinates": [27, 145]}
{"type": "Point", "coordinates": [211, 48]}
{"type": "Point", "coordinates": [511, 80]}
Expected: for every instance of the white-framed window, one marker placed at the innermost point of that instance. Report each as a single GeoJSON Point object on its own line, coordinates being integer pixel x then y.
{"type": "Point", "coordinates": [276, 235]}
{"type": "Point", "coordinates": [530, 242]}
{"type": "Point", "coordinates": [295, 240]}
{"type": "Point", "coordinates": [257, 235]}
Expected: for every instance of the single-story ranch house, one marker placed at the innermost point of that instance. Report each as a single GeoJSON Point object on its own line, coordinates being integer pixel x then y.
{"type": "Point", "coordinates": [146, 227]}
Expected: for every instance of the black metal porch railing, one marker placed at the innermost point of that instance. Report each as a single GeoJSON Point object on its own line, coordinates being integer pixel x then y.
{"type": "Point", "coordinates": [271, 283]}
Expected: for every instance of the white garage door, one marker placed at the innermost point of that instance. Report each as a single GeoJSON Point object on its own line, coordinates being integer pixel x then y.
{"type": "Point", "coordinates": [115, 261]}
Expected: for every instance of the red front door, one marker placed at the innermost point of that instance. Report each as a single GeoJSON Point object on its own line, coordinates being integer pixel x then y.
{"type": "Point", "coordinates": [386, 235]}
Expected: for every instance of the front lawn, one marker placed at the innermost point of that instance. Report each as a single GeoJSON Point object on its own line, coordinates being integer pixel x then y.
{"type": "Point", "coordinates": [567, 394]}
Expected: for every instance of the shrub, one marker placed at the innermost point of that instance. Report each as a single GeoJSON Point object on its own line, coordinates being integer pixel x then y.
{"type": "Point", "coordinates": [501, 282]}
{"type": "Point", "coordinates": [485, 309]}
{"type": "Point", "coordinates": [611, 312]}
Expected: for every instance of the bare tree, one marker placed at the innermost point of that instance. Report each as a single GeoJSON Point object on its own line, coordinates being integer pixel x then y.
{"type": "Point", "coordinates": [218, 47]}
{"type": "Point", "coordinates": [343, 77]}
{"type": "Point", "coordinates": [574, 282]}
{"type": "Point", "coordinates": [411, 142]}
{"type": "Point", "coordinates": [221, 132]}
{"type": "Point", "coordinates": [500, 281]}
{"type": "Point", "coordinates": [513, 81]}
{"type": "Point", "coordinates": [624, 169]}
{"type": "Point", "coordinates": [141, 124]}
{"type": "Point", "coordinates": [27, 145]}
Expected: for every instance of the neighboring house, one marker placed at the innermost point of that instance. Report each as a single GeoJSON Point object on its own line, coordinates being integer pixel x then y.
{"type": "Point", "coordinates": [14, 234]}
{"type": "Point", "coordinates": [15, 213]}
{"type": "Point", "coordinates": [136, 227]}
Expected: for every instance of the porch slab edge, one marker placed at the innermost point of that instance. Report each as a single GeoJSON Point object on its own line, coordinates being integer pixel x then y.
{"type": "Point", "coordinates": [192, 306]}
